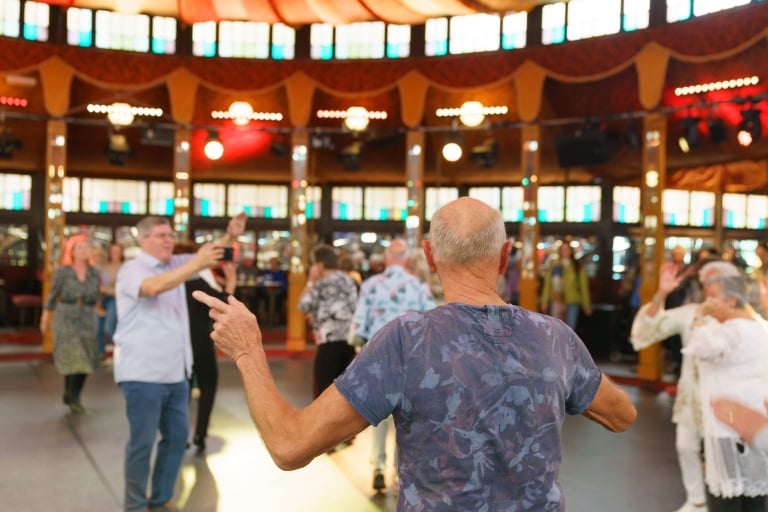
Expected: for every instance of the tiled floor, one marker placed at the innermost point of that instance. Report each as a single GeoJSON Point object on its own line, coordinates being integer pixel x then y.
{"type": "Point", "coordinates": [52, 460]}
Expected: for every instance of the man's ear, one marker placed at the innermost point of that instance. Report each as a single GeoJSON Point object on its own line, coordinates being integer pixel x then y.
{"type": "Point", "coordinates": [428, 254]}
{"type": "Point", "coordinates": [506, 250]}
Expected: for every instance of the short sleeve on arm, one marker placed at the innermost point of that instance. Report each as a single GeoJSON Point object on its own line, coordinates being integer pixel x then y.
{"type": "Point", "coordinates": [584, 377]}
{"type": "Point", "coordinates": [373, 383]}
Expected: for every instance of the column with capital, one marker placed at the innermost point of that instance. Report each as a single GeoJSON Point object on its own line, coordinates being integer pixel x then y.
{"type": "Point", "coordinates": [654, 176]}
{"type": "Point", "coordinates": [296, 326]}
{"type": "Point", "coordinates": [56, 170]}
{"type": "Point", "coordinates": [529, 227]}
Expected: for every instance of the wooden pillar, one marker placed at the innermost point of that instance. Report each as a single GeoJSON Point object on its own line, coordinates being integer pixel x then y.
{"type": "Point", "coordinates": [296, 324]}
{"type": "Point", "coordinates": [529, 228]}
{"type": "Point", "coordinates": [414, 175]}
{"type": "Point", "coordinates": [181, 184]}
{"type": "Point", "coordinates": [654, 176]}
{"type": "Point", "coordinates": [56, 166]}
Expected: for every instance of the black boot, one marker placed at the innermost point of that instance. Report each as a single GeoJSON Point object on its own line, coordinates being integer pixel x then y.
{"type": "Point", "coordinates": [69, 390]}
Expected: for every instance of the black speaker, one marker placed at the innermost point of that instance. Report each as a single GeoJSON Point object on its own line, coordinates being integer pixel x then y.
{"type": "Point", "coordinates": [587, 147]}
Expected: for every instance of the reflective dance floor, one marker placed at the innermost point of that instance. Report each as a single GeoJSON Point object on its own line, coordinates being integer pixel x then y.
{"type": "Point", "coordinates": [55, 461]}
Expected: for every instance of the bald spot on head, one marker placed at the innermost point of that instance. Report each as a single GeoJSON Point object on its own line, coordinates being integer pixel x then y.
{"type": "Point", "coordinates": [396, 253]}
{"type": "Point", "coordinates": [466, 230]}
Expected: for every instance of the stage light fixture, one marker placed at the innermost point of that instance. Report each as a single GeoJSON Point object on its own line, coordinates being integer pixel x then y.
{"type": "Point", "coordinates": [8, 144]}
{"type": "Point", "coordinates": [118, 150]}
{"type": "Point", "coordinates": [486, 154]}
{"type": "Point", "coordinates": [750, 128]}
{"type": "Point", "coordinates": [350, 155]}
{"type": "Point", "coordinates": [717, 132]}
{"type": "Point", "coordinates": [589, 145]}
{"type": "Point", "coordinates": [213, 148]}
{"type": "Point", "coordinates": [631, 138]}
{"type": "Point", "coordinates": [690, 137]}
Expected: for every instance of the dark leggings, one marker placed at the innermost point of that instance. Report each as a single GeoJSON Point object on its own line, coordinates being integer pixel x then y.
{"type": "Point", "coordinates": [207, 376]}
{"type": "Point", "coordinates": [73, 385]}
{"type": "Point", "coordinates": [331, 359]}
{"type": "Point", "coordinates": [737, 504]}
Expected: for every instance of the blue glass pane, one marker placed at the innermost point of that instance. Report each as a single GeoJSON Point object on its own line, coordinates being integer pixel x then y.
{"type": "Point", "coordinates": [158, 46]}
{"type": "Point", "coordinates": [103, 207]}
{"type": "Point", "coordinates": [125, 207]}
{"type": "Point", "coordinates": [209, 49]}
{"type": "Point", "coordinates": [326, 52]}
{"type": "Point", "coordinates": [309, 210]}
{"type": "Point", "coordinates": [278, 52]}
{"type": "Point", "coordinates": [86, 39]}
{"type": "Point", "coordinates": [441, 48]}
{"type": "Point", "coordinates": [30, 32]}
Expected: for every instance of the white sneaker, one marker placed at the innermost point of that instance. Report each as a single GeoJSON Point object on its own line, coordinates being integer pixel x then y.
{"type": "Point", "coordinates": [690, 507]}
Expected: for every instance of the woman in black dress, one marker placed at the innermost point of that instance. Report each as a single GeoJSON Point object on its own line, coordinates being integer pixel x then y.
{"type": "Point", "coordinates": [205, 372]}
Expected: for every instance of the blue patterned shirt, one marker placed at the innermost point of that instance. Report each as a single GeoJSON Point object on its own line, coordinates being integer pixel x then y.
{"type": "Point", "coordinates": [479, 395]}
{"type": "Point", "coordinates": [386, 296]}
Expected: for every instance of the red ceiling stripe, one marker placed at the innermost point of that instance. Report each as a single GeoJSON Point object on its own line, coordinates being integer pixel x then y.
{"type": "Point", "coordinates": [194, 11]}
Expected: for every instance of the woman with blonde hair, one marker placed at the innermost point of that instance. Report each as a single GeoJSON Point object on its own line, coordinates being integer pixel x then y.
{"type": "Point", "coordinates": [74, 295]}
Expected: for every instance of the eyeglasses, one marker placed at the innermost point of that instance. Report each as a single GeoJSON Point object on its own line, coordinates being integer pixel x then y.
{"type": "Point", "coordinates": [164, 236]}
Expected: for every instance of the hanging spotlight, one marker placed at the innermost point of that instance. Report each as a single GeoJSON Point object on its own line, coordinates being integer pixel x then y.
{"type": "Point", "coordinates": [213, 148]}
{"type": "Point", "coordinates": [452, 148]}
{"type": "Point", "coordinates": [349, 155]}
{"type": "Point", "coordinates": [630, 137]}
{"type": "Point", "coordinates": [690, 138]}
{"type": "Point", "coordinates": [118, 150]}
{"type": "Point", "coordinates": [750, 128]}
{"type": "Point", "coordinates": [486, 154]}
{"type": "Point", "coordinates": [716, 130]}
{"type": "Point", "coordinates": [8, 144]}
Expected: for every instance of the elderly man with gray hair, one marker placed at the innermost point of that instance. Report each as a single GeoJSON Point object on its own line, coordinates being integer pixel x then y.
{"type": "Point", "coordinates": [652, 324]}
{"type": "Point", "coordinates": [729, 347]}
{"type": "Point", "coordinates": [478, 388]}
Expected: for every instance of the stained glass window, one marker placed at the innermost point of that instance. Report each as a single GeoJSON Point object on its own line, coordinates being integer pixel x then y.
{"type": "Point", "coordinates": [675, 207]}
{"type": "Point", "coordinates": [551, 204]}
{"type": "Point", "coordinates": [489, 195]}
{"type": "Point", "coordinates": [15, 190]}
{"type": "Point", "coordinates": [262, 201]}
{"type": "Point", "coordinates": [204, 39]}
{"type": "Point", "coordinates": [436, 37]}
{"type": "Point", "coordinates": [626, 204]}
{"type": "Point", "coordinates": [474, 33]}
{"type": "Point", "coordinates": [283, 42]}
{"type": "Point", "coordinates": [702, 209]}
{"type": "Point", "coordinates": [70, 201]}
{"type": "Point", "coordinates": [514, 29]}
{"type": "Point", "coordinates": [757, 211]}
{"type": "Point", "coordinates": [10, 15]}
{"type": "Point", "coordinates": [435, 197]}
{"type": "Point", "coordinates": [553, 23]}
{"type": "Point", "coordinates": [364, 40]}
{"type": "Point", "coordinates": [512, 204]}
{"type": "Point", "coordinates": [161, 194]}
{"type": "Point", "coordinates": [347, 203]}
{"type": "Point", "coordinates": [114, 196]}
{"type": "Point", "coordinates": [79, 27]}
{"type": "Point", "coordinates": [636, 15]}
{"type": "Point", "coordinates": [120, 31]}
{"type": "Point", "coordinates": [209, 199]}
{"type": "Point", "coordinates": [386, 203]}
{"type": "Point", "coordinates": [734, 210]}
{"type": "Point", "coordinates": [314, 196]}
{"type": "Point", "coordinates": [398, 41]}
{"type": "Point", "coordinates": [582, 204]}
{"type": "Point", "coordinates": [36, 21]}
{"type": "Point", "coordinates": [321, 41]}
{"type": "Point", "coordinates": [592, 18]}
{"type": "Point", "coordinates": [163, 35]}
{"type": "Point", "coordinates": [245, 39]}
